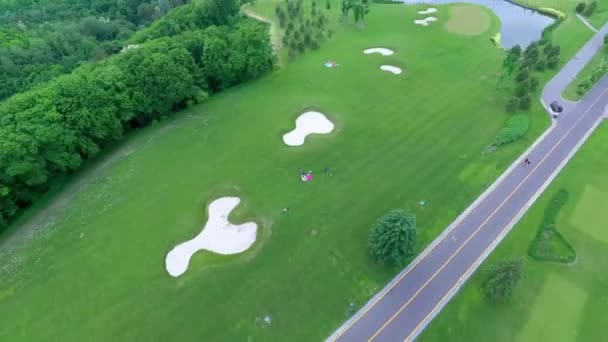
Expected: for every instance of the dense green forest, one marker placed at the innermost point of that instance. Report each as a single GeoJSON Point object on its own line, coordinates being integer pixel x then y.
{"type": "Point", "coordinates": [51, 129]}
{"type": "Point", "coordinates": [42, 39]}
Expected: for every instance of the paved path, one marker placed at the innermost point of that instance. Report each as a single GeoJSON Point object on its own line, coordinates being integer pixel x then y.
{"type": "Point", "coordinates": [554, 88]}
{"type": "Point", "coordinates": [275, 36]}
{"type": "Point", "coordinates": [410, 301]}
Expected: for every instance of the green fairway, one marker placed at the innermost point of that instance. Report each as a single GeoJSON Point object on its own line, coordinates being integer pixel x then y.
{"type": "Point", "coordinates": [554, 302]}
{"type": "Point", "coordinates": [93, 269]}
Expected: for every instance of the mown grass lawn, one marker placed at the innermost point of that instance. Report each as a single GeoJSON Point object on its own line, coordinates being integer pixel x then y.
{"type": "Point", "coordinates": [597, 19]}
{"type": "Point", "coordinates": [95, 269]}
{"type": "Point", "coordinates": [555, 302]}
{"type": "Point", "coordinates": [571, 91]}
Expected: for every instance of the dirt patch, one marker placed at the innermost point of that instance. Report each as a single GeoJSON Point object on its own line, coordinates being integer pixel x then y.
{"type": "Point", "coordinates": [468, 20]}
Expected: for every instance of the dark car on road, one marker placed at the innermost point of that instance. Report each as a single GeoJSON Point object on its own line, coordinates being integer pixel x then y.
{"type": "Point", "coordinates": [556, 109]}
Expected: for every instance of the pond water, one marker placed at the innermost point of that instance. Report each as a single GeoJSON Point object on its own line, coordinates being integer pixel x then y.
{"type": "Point", "coordinates": [518, 25]}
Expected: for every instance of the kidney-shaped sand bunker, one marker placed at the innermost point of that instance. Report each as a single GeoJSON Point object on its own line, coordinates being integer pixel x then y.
{"type": "Point", "coordinates": [308, 123]}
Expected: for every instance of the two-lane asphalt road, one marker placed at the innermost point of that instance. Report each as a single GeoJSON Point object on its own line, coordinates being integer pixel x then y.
{"type": "Point", "coordinates": [401, 310]}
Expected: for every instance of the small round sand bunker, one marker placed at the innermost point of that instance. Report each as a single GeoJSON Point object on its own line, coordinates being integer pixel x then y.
{"type": "Point", "coordinates": [392, 69]}
{"type": "Point", "coordinates": [308, 123]}
{"type": "Point", "coordinates": [382, 51]}
{"type": "Point", "coordinates": [218, 236]}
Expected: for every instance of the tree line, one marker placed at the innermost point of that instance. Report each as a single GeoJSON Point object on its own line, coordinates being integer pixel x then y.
{"type": "Point", "coordinates": [40, 39]}
{"type": "Point", "coordinates": [50, 130]}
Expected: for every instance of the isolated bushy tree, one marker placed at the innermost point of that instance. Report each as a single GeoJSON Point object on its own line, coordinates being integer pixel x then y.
{"type": "Point", "coordinates": [393, 238]}
{"type": "Point", "coordinates": [591, 9]}
{"type": "Point", "coordinates": [580, 7]}
{"type": "Point", "coordinates": [502, 280]}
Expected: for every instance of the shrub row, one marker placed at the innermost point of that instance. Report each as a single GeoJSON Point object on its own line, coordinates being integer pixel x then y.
{"type": "Point", "coordinates": [517, 127]}
{"type": "Point", "coordinates": [549, 244]}
{"type": "Point", "coordinates": [598, 72]}
{"type": "Point", "coordinates": [48, 131]}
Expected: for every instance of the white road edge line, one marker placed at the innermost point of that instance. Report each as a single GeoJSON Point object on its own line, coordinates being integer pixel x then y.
{"type": "Point", "coordinates": [504, 233]}
{"type": "Point", "coordinates": [346, 325]}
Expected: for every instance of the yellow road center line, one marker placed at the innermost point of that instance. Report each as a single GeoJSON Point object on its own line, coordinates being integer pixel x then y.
{"type": "Point", "coordinates": [480, 227]}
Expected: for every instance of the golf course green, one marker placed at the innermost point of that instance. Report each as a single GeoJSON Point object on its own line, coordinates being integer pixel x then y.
{"type": "Point", "coordinates": [87, 262]}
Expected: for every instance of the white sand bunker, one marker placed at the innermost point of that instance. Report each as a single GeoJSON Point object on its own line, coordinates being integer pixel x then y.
{"type": "Point", "coordinates": [382, 51]}
{"type": "Point", "coordinates": [390, 68]}
{"type": "Point", "coordinates": [218, 236]}
{"type": "Point", "coordinates": [308, 123]}
{"type": "Point", "coordinates": [428, 10]}
{"type": "Point", "coordinates": [425, 21]}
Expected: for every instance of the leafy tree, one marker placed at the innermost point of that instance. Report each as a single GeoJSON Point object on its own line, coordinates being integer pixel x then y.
{"type": "Point", "coordinates": [328, 5]}
{"type": "Point", "coordinates": [553, 62]}
{"type": "Point", "coordinates": [512, 104]}
{"type": "Point", "coordinates": [591, 8]}
{"type": "Point", "coordinates": [532, 53]}
{"type": "Point", "coordinates": [580, 7]}
{"type": "Point", "coordinates": [515, 51]}
{"type": "Point", "coordinates": [393, 238]}
{"type": "Point", "coordinates": [541, 64]}
{"type": "Point", "coordinates": [525, 102]}
{"type": "Point", "coordinates": [503, 279]}
{"type": "Point", "coordinates": [554, 51]}
{"type": "Point", "coordinates": [301, 47]}
{"type": "Point", "coordinates": [48, 131]}
{"type": "Point", "coordinates": [522, 88]}
{"type": "Point", "coordinates": [307, 39]}
{"type": "Point", "coordinates": [523, 75]}
{"type": "Point", "coordinates": [534, 82]}
{"type": "Point", "coordinates": [510, 63]}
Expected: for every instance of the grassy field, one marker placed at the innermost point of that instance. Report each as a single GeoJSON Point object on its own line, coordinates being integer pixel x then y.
{"type": "Point", "coordinates": [599, 17]}
{"type": "Point", "coordinates": [90, 266]}
{"type": "Point", "coordinates": [555, 302]}
{"type": "Point", "coordinates": [570, 93]}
